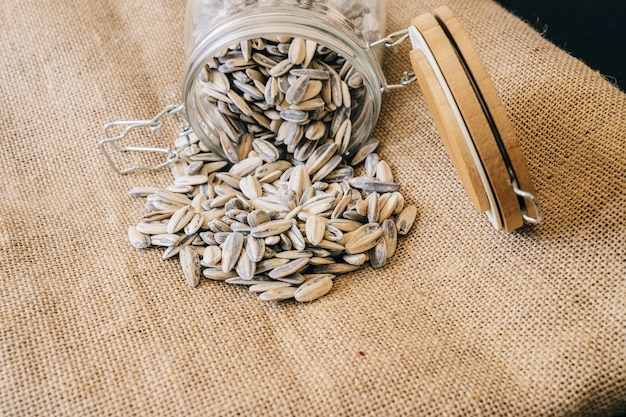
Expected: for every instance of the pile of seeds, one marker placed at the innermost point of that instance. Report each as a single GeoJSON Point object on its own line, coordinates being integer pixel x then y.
{"type": "Point", "coordinates": [267, 225]}
{"type": "Point", "coordinates": [279, 209]}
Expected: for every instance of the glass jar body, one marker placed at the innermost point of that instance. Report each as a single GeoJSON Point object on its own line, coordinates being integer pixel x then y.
{"type": "Point", "coordinates": [231, 37]}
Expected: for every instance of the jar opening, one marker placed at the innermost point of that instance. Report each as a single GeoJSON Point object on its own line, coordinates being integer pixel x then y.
{"type": "Point", "coordinates": [250, 75]}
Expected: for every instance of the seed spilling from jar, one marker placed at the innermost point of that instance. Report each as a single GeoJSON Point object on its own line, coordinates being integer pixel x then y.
{"type": "Point", "coordinates": [277, 207]}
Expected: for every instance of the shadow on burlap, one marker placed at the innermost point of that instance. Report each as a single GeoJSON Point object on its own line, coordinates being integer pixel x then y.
{"type": "Point", "coordinates": [464, 319]}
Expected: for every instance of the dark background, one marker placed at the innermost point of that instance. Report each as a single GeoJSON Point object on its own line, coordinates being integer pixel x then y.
{"type": "Point", "coordinates": [593, 31]}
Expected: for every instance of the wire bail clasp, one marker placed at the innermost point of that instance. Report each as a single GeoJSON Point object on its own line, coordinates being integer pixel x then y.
{"type": "Point", "coordinates": [392, 41]}
{"type": "Point", "coordinates": [155, 125]}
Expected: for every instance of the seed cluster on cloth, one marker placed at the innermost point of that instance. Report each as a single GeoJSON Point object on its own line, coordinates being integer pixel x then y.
{"type": "Point", "coordinates": [274, 203]}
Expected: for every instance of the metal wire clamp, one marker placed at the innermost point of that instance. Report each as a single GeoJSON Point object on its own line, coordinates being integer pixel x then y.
{"type": "Point", "coordinates": [392, 41]}
{"type": "Point", "coordinates": [155, 125]}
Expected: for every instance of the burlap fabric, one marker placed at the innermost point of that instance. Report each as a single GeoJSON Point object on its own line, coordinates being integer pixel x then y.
{"type": "Point", "coordinates": [465, 320]}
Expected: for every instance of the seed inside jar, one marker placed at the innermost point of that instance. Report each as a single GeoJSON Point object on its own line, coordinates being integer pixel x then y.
{"type": "Point", "coordinates": [282, 91]}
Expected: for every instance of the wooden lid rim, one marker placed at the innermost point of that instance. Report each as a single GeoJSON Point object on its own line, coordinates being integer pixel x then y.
{"type": "Point", "coordinates": [418, 42]}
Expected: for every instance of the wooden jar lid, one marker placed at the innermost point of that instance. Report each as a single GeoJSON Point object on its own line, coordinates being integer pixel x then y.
{"type": "Point", "coordinates": [472, 121]}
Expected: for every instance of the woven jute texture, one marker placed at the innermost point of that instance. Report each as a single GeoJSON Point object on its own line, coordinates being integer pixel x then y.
{"type": "Point", "coordinates": [464, 320]}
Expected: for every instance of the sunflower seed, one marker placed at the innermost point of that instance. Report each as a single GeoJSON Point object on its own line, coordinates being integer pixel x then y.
{"type": "Point", "coordinates": [315, 130]}
{"type": "Point", "coordinates": [217, 274]}
{"type": "Point", "coordinates": [327, 168]}
{"type": "Point", "coordinates": [246, 267]}
{"type": "Point", "coordinates": [180, 189]}
{"type": "Point", "coordinates": [257, 279]}
{"type": "Point", "coordinates": [320, 157]}
{"type": "Point", "coordinates": [283, 84]}
{"type": "Point", "coordinates": [194, 224]}
{"type": "Point", "coordinates": [174, 250]}
{"type": "Point", "coordinates": [296, 237]}
{"type": "Point", "coordinates": [270, 264]}
{"type": "Point", "coordinates": [305, 150]}
{"type": "Point", "coordinates": [250, 187]}
{"type": "Point", "coordinates": [267, 152]}
{"type": "Point", "coordinates": [317, 260]}
{"type": "Point", "coordinates": [180, 218]}
{"type": "Point", "coordinates": [335, 268]}
{"type": "Point", "coordinates": [211, 256]}
{"type": "Point", "coordinates": [314, 288]}
{"type": "Point", "coordinates": [345, 225]}
{"type": "Point", "coordinates": [296, 91]}
{"type": "Point", "coordinates": [271, 228]}
{"type": "Point", "coordinates": [335, 84]}
{"type": "Point", "coordinates": [220, 237]}
{"type": "Point", "coordinates": [319, 204]}
{"type": "Point", "coordinates": [252, 91]}
{"type": "Point", "coordinates": [405, 220]}
{"type": "Point", "coordinates": [278, 294]}
{"type": "Point", "coordinates": [231, 250]}
{"type": "Point", "coordinates": [281, 68]}
{"type": "Point", "coordinates": [297, 51]}
{"type": "Point", "coordinates": [142, 191]}
{"type": "Point", "coordinates": [165, 239]}
{"type": "Point", "coordinates": [293, 279]}
{"type": "Point", "coordinates": [285, 243]}
{"type": "Point", "coordinates": [344, 136]}
{"type": "Point", "coordinates": [340, 207]}
{"type": "Point", "coordinates": [240, 227]}
{"type": "Point", "coordinates": [388, 207]}
{"type": "Point", "coordinates": [269, 204]}
{"type": "Point", "coordinates": [366, 148]}
{"type": "Point", "coordinates": [280, 165]}
{"type": "Point", "coordinates": [191, 180]}
{"type": "Point", "coordinates": [333, 247]}
{"type": "Point", "coordinates": [356, 259]}
{"type": "Point", "coordinates": [272, 91]}
{"type": "Point", "coordinates": [190, 264]}
{"type": "Point", "coordinates": [137, 239]}
{"type": "Point", "coordinates": [370, 185]}
{"type": "Point", "coordinates": [355, 80]}
{"type": "Point", "coordinates": [264, 60]}
{"type": "Point", "coordinates": [296, 116]}
{"type": "Point", "coordinates": [290, 133]}
{"type": "Point", "coordinates": [372, 207]}
{"type": "Point", "coordinates": [383, 172]}
{"type": "Point", "coordinates": [154, 203]}
{"type": "Point", "coordinates": [246, 166]}
{"type": "Point", "coordinates": [299, 180]}
{"type": "Point", "coordinates": [208, 238]}
{"type": "Point", "coordinates": [390, 236]}
{"type": "Point", "coordinates": [378, 254]}
{"type": "Point", "coordinates": [219, 226]}
{"type": "Point", "coordinates": [315, 229]}
{"type": "Point", "coordinates": [309, 106]}
{"type": "Point", "coordinates": [333, 234]}
{"type": "Point", "coordinates": [339, 117]}
{"type": "Point", "coordinates": [289, 268]}
{"type": "Point", "coordinates": [364, 238]}
{"type": "Point", "coordinates": [341, 173]}
{"type": "Point", "coordinates": [267, 285]}
{"type": "Point", "coordinates": [313, 74]}
{"type": "Point", "coordinates": [257, 217]}
{"type": "Point", "coordinates": [255, 247]}
{"type": "Point", "coordinates": [371, 162]}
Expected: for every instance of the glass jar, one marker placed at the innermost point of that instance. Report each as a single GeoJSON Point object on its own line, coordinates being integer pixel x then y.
{"type": "Point", "coordinates": [237, 50]}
